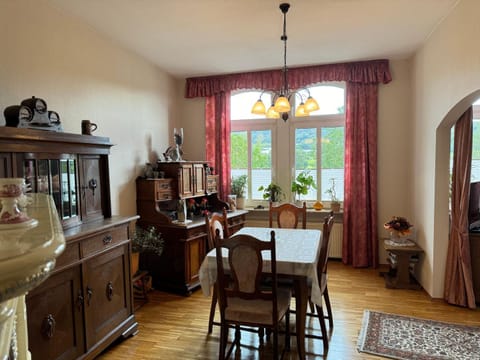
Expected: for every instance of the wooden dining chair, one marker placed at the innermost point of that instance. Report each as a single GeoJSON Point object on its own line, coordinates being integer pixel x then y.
{"type": "Point", "coordinates": [317, 310]}
{"type": "Point", "coordinates": [323, 284]}
{"type": "Point", "coordinates": [242, 296]}
{"type": "Point", "coordinates": [215, 222]}
{"type": "Point", "coordinates": [287, 215]}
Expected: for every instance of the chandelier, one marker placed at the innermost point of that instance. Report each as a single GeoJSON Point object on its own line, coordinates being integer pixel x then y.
{"type": "Point", "coordinates": [280, 106]}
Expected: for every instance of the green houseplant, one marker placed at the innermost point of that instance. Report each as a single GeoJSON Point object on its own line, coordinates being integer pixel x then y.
{"type": "Point", "coordinates": [334, 202]}
{"type": "Point", "coordinates": [302, 183]}
{"type": "Point", "coordinates": [145, 240]}
{"type": "Point", "coordinates": [239, 185]}
{"type": "Point", "coordinates": [272, 192]}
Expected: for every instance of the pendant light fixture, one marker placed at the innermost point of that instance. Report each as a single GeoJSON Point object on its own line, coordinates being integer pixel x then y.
{"type": "Point", "coordinates": [280, 106]}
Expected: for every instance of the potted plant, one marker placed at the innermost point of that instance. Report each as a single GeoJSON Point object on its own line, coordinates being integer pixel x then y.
{"type": "Point", "coordinates": [145, 240]}
{"type": "Point", "coordinates": [239, 185]}
{"type": "Point", "coordinates": [334, 202]}
{"type": "Point", "coordinates": [302, 183]}
{"type": "Point", "coordinates": [272, 192]}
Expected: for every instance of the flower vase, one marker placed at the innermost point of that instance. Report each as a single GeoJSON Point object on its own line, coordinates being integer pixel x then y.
{"type": "Point", "coordinates": [181, 211]}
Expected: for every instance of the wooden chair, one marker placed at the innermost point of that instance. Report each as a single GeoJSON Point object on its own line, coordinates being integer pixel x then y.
{"type": "Point", "coordinates": [214, 223]}
{"type": "Point", "coordinates": [322, 279]}
{"type": "Point", "coordinates": [287, 215]}
{"type": "Point", "coordinates": [242, 296]}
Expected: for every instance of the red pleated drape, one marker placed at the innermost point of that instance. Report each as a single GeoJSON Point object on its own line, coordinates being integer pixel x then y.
{"type": "Point", "coordinates": [458, 273]}
{"type": "Point", "coordinates": [217, 138]}
{"type": "Point", "coordinates": [360, 246]}
{"type": "Point", "coordinates": [360, 238]}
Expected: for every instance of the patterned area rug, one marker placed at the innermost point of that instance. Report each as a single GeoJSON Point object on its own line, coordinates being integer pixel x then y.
{"type": "Point", "coordinates": [406, 338]}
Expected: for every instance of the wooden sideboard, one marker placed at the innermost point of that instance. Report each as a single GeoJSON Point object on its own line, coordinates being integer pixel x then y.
{"type": "Point", "coordinates": [87, 302]}
{"type": "Point", "coordinates": [185, 247]}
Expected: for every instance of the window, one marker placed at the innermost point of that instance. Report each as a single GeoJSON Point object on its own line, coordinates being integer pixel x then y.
{"type": "Point", "coordinates": [271, 150]}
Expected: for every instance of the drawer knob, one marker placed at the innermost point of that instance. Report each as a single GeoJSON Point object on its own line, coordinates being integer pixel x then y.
{"type": "Point", "coordinates": [48, 326]}
{"type": "Point", "coordinates": [110, 291]}
{"type": "Point", "coordinates": [80, 300]}
{"type": "Point", "coordinates": [107, 239]}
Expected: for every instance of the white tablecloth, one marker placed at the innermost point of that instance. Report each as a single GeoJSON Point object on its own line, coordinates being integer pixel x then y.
{"type": "Point", "coordinates": [297, 254]}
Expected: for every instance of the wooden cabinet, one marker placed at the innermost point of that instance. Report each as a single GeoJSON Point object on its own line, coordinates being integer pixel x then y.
{"type": "Point", "coordinates": [177, 269]}
{"type": "Point", "coordinates": [190, 177]}
{"type": "Point", "coordinates": [87, 302]}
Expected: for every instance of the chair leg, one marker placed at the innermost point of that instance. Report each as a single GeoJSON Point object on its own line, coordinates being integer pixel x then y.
{"type": "Point", "coordinates": [329, 307]}
{"type": "Point", "coordinates": [275, 343]}
{"type": "Point", "coordinates": [323, 327]}
{"type": "Point", "coordinates": [223, 340]}
{"type": "Point", "coordinates": [312, 305]}
{"type": "Point", "coordinates": [287, 331]}
{"type": "Point", "coordinates": [212, 310]}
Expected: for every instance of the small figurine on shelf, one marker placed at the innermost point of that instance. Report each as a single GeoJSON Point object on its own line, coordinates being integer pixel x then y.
{"type": "Point", "coordinates": [175, 152]}
{"type": "Point", "coordinates": [181, 211]}
{"type": "Point", "coordinates": [178, 138]}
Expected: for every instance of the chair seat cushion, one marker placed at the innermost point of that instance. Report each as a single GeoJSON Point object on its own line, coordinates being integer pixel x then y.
{"type": "Point", "coordinates": [257, 311]}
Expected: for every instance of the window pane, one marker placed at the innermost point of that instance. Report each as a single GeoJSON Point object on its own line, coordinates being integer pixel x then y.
{"type": "Point", "coordinates": [331, 99]}
{"type": "Point", "coordinates": [261, 150]}
{"type": "Point", "coordinates": [241, 105]}
{"type": "Point", "coordinates": [306, 156]}
{"type": "Point", "coordinates": [333, 154]}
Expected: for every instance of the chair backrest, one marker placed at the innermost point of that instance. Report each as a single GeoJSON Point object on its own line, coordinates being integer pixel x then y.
{"type": "Point", "coordinates": [288, 215]}
{"type": "Point", "coordinates": [216, 221]}
{"type": "Point", "coordinates": [245, 272]}
{"type": "Point", "coordinates": [325, 245]}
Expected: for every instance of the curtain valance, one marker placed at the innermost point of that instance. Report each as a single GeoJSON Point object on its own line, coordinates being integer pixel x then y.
{"type": "Point", "coordinates": [365, 72]}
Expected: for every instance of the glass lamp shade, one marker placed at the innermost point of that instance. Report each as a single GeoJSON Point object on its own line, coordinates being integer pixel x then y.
{"type": "Point", "coordinates": [311, 104]}
{"type": "Point", "coordinates": [272, 114]}
{"type": "Point", "coordinates": [301, 111]}
{"type": "Point", "coordinates": [282, 105]}
{"type": "Point", "coordinates": [258, 108]}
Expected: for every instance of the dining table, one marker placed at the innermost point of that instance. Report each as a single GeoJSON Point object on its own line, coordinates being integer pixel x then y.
{"type": "Point", "coordinates": [297, 253]}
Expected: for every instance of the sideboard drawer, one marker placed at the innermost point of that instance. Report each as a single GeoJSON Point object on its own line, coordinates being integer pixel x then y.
{"type": "Point", "coordinates": [104, 240]}
{"type": "Point", "coordinates": [164, 189]}
{"type": "Point", "coordinates": [69, 256]}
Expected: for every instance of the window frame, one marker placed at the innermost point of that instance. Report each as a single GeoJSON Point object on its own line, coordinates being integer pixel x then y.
{"type": "Point", "coordinates": [283, 132]}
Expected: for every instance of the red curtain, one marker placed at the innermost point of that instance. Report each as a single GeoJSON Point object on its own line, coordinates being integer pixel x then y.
{"type": "Point", "coordinates": [366, 72]}
{"type": "Point", "coordinates": [360, 246]}
{"type": "Point", "coordinates": [360, 238]}
{"type": "Point", "coordinates": [458, 274]}
{"type": "Point", "coordinates": [217, 138]}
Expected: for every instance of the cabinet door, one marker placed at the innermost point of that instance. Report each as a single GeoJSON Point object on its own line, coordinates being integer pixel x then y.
{"type": "Point", "coordinates": [57, 176]}
{"type": "Point", "coordinates": [5, 165]}
{"type": "Point", "coordinates": [91, 187]}
{"type": "Point", "coordinates": [198, 179]}
{"type": "Point", "coordinates": [107, 293]}
{"type": "Point", "coordinates": [185, 181]}
{"type": "Point", "coordinates": [55, 313]}
{"type": "Point", "coordinates": [194, 255]}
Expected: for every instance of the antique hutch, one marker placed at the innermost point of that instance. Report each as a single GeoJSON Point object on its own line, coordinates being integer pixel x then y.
{"type": "Point", "coordinates": [86, 303]}
{"type": "Point", "coordinates": [177, 269]}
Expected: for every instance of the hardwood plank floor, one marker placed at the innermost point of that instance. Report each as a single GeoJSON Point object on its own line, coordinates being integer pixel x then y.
{"type": "Point", "coordinates": [175, 327]}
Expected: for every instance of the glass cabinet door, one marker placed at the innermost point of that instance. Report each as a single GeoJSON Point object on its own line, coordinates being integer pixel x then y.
{"type": "Point", "coordinates": [57, 177]}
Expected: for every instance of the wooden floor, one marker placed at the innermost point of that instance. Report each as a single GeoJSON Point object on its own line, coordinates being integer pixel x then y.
{"type": "Point", "coordinates": [175, 327]}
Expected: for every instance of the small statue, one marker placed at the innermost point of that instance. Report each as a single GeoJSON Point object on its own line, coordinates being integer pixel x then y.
{"type": "Point", "coordinates": [175, 152]}
{"type": "Point", "coordinates": [181, 211]}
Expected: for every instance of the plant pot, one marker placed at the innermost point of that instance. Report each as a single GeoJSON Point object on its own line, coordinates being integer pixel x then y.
{"type": "Point", "coordinates": [240, 203]}
{"type": "Point", "coordinates": [134, 262]}
{"type": "Point", "coordinates": [335, 206]}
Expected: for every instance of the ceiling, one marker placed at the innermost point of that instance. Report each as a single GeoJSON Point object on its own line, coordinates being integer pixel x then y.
{"type": "Point", "coordinates": [206, 37]}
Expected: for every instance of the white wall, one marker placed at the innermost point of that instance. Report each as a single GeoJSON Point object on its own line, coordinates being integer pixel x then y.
{"type": "Point", "coordinates": [82, 75]}
{"type": "Point", "coordinates": [446, 79]}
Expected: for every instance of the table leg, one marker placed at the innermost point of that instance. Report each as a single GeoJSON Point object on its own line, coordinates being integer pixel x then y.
{"type": "Point", "coordinates": [301, 294]}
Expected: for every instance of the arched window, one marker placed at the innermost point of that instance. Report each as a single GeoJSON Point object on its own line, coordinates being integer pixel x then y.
{"type": "Point", "coordinates": [271, 150]}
